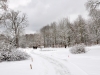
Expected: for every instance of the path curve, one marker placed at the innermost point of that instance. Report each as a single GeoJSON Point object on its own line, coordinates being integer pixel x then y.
{"type": "Point", "coordinates": [62, 67]}
{"type": "Point", "coordinates": [59, 67]}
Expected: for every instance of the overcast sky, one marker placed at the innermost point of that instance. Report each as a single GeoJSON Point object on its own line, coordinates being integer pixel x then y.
{"type": "Point", "coordinates": [43, 12]}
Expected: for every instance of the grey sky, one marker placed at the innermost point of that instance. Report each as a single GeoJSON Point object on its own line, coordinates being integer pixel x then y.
{"type": "Point", "coordinates": [43, 12]}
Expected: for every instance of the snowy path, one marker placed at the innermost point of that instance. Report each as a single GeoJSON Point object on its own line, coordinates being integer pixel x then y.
{"type": "Point", "coordinates": [53, 66]}
{"type": "Point", "coordinates": [59, 66]}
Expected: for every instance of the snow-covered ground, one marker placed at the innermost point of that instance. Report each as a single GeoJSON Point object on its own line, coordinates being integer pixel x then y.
{"type": "Point", "coordinates": [55, 61]}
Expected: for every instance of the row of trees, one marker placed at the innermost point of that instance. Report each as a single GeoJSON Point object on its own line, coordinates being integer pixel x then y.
{"type": "Point", "coordinates": [30, 40]}
{"type": "Point", "coordinates": [65, 33]}
{"type": "Point", "coordinates": [56, 34]}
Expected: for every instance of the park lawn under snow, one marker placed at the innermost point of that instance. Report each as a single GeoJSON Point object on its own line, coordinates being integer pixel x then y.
{"type": "Point", "coordinates": [55, 61]}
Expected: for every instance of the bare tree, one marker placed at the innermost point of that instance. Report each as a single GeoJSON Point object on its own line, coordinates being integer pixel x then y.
{"type": "Point", "coordinates": [3, 4]}
{"type": "Point", "coordinates": [45, 31]}
{"type": "Point", "coordinates": [54, 33]}
{"type": "Point", "coordinates": [94, 12]}
{"type": "Point", "coordinates": [80, 30]}
{"type": "Point", "coordinates": [65, 31]}
{"type": "Point", "coordinates": [15, 23]}
{"type": "Point", "coordinates": [94, 30]}
{"type": "Point", "coordinates": [62, 32]}
{"type": "Point", "coordinates": [92, 4]}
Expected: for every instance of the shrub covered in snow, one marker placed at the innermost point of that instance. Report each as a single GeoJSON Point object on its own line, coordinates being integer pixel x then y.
{"type": "Point", "coordinates": [77, 49]}
{"type": "Point", "coordinates": [9, 53]}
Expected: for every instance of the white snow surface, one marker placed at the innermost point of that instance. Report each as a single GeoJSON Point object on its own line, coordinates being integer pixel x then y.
{"type": "Point", "coordinates": [55, 61]}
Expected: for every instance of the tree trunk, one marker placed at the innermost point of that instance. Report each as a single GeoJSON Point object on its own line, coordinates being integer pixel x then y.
{"type": "Point", "coordinates": [17, 42]}
{"type": "Point", "coordinates": [69, 41]}
{"type": "Point", "coordinates": [97, 41]}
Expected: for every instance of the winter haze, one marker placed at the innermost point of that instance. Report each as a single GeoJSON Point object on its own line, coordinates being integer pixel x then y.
{"type": "Point", "coordinates": [43, 12]}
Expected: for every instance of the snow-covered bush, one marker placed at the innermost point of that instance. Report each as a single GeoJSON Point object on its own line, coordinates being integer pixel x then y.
{"type": "Point", "coordinates": [9, 53]}
{"type": "Point", "coordinates": [77, 49]}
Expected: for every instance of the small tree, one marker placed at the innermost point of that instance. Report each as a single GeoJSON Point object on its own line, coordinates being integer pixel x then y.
{"type": "Point", "coordinates": [77, 49]}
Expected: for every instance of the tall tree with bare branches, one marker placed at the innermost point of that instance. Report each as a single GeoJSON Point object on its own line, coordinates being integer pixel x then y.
{"type": "Point", "coordinates": [15, 24]}
{"type": "Point", "coordinates": [94, 13]}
